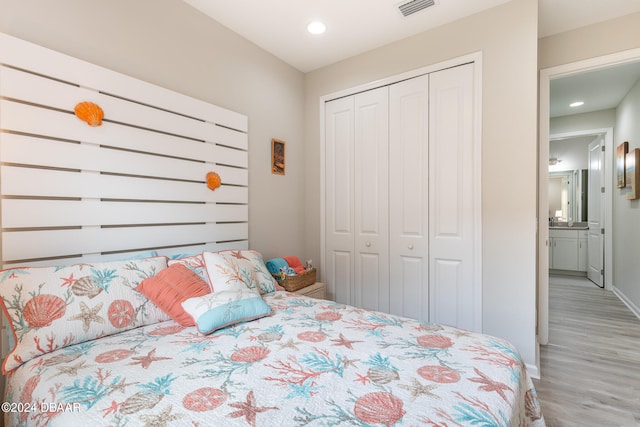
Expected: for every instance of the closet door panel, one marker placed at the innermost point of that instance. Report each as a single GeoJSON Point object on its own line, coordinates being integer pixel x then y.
{"type": "Point", "coordinates": [339, 204]}
{"type": "Point", "coordinates": [371, 196]}
{"type": "Point", "coordinates": [453, 207]}
{"type": "Point", "coordinates": [408, 197]}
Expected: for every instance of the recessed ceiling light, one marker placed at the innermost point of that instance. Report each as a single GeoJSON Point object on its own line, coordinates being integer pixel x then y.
{"type": "Point", "coordinates": [576, 104]}
{"type": "Point", "coordinates": [316, 27]}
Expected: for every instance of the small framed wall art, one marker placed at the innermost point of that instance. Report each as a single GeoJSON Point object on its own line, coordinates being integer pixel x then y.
{"type": "Point", "coordinates": [632, 164]}
{"type": "Point", "coordinates": [621, 152]}
{"type": "Point", "coordinates": [277, 156]}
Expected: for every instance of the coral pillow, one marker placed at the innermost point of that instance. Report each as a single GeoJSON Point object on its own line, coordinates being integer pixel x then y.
{"type": "Point", "coordinates": [195, 263]}
{"type": "Point", "coordinates": [170, 287]}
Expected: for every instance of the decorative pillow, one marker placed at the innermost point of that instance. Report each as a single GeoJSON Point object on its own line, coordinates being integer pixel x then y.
{"type": "Point", "coordinates": [53, 307]}
{"type": "Point", "coordinates": [195, 264]}
{"type": "Point", "coordinates": [173, 285]}
{"type": "Point", "coordinates": [242, 265]}
{"type": "Point", "coordinates": [225, 308]}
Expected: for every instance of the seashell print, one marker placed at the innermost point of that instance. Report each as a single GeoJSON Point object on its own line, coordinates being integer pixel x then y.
{"type": "Point", "coordinates": [213, 180]}
{"type": "Point", "coordinates": [204, 399]}
{"type": "Point", "coordinates": [328, 316]}
{"type": "Point", "coordinates": [250, 354]}
{"type": "Point", "coordinates": [140, 401]}
{"type": "Point", "coordinates": [61, 358]}
{"type": "Point", "coordinates": [269, 336]}
{"type": "Point", "coordinates": [312, 336]}
{"type": "Point", "coordinates": [85, 287]}
{"type": "Point", "coordinates": [379, 407]}
{"type": "Point", "coordinates": [382, 376]}
{"type": "Point", "coordinates": [439, 374]}
{"type": "Point", "coordinates": [42, 310]}
{"type": "Point", "coordinates": [113, 355]}
{"type": "Point", "coordinates": [89, 112]}
{"type": "Point", "coordinates": [434, 341]}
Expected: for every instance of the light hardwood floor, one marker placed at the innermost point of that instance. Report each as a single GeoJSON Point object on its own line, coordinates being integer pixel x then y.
{"type": "Point", "coordinates": [591, 368]}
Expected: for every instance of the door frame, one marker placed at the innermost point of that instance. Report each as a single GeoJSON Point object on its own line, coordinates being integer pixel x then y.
{"type": "Point", "coordinates": [546, 75]}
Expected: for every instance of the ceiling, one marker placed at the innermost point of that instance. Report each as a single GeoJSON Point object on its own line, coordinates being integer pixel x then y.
{"type": "Point", "coordinates": [356, 26]}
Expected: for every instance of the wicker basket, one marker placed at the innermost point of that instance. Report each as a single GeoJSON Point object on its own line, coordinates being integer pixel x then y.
{"type": "Point", "coordinates": [299, 281]}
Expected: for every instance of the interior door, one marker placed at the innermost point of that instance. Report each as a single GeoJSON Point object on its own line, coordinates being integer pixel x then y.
{"type": "Point", "coordinates": [409, 197]}
{"type": "Point", "coordinates": [339, 204]}
{"type": "Point", "coordinates": [595, 212]}
{"type": "Point", "coordinates": [455, 288]}
{"type": "Point", "coordinates": [371, 196]}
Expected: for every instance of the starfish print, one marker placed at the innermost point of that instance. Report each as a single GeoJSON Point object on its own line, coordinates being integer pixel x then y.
{"type": "Point", "coordinates": [121, 386]}
{"type": "Point", "coordinates": [490, 385]}
{"type": "Point", "coordinates": [248, 409]}
{"type": "Point", "coordinates": [349, 362]}
{"type": "Point", "coordinates": [417, 389]}
{"type": "Point", "coordinates": [238, 255]}
{"type": "Point", "coordinates": [110, 409]}
{"type": "Point", "coordinates": [68, 281]}
{"type": "Point", "coordinates": [289, 344]}
{"type": "Point", "coordinates": [145, 361]}
{"type": "Point", "coordinates": [364, 379]}
{"type": "Point", "coordinates": [345, 342]}
{"type": "Point", "coordinates": [161, 419]}
{"type": "Point", "coordinates": [88, 315]}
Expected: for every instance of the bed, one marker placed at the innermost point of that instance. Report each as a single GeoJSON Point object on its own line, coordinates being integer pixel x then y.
{"type": "Point", "coordinates": [92, 214]}
{"type": "Point", "coordinates": [302, 362]}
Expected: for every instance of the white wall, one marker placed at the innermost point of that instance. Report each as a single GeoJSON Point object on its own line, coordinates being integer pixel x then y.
{"type": "Point", "coordinates": [626, 241]}
{"type": "Point", "coordinates": [175, 46]}
{"type": "Point", "coordinates": [507, 38]}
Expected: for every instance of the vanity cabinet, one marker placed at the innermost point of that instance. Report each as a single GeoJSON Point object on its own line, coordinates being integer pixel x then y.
{"type": "Point", "coordinates": [568, 250]}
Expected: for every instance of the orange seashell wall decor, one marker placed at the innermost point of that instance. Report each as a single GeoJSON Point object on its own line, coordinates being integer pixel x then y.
{"type": "Point", "coordinates": [213, 180]}
{"type": "Point", "coordinates": [89, 112]}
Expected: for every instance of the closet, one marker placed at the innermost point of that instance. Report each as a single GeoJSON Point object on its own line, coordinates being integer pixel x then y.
{"type": "Point", "coordinates": [402, 198]}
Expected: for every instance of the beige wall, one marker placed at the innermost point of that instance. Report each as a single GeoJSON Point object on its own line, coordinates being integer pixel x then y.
{"type": "Point", "coordinates": [175, 46]}
{"type": "Point", "coordinates": [507, 38]}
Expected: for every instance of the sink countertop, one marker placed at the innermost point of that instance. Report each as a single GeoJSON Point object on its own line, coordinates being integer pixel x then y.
{"type": "Point", "coordinates": [566, 226]}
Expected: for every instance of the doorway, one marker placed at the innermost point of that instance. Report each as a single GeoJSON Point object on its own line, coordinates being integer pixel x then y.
{"type": "Point", "coordinates": [546, 76]}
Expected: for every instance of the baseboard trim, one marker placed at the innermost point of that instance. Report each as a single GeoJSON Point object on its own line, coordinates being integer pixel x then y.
{"type": "Point", "coordinates": [533, 371]}
{"type": "Point", "coordinates": [634, 308]}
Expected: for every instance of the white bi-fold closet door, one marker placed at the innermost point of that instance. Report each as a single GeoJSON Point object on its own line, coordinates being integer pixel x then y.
{"type": "Point", "coordinates": [401, 199]}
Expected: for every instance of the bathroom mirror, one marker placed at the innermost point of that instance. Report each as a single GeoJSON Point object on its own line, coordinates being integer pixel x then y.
{"type": "Point", "coordinates": [568, 195]}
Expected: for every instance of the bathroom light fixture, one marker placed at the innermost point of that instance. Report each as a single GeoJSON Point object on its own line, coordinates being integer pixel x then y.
{"type": "Point", "coordinates": [554, 161]}
{"type": "Point", "coordinates": [576, 104]}
{"type": "Point", "coordinates": [316, 27]}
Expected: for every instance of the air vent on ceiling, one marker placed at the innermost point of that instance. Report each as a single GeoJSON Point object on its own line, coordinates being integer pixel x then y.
{"type": "Point", "coordinates": [414, 6]}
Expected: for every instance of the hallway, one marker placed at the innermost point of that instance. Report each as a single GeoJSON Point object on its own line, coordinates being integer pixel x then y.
{"type": "Point", "coordinates": [591, 367]}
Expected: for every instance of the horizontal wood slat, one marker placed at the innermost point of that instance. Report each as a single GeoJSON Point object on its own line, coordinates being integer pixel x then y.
{"type": "Point", "coordinates": [24, 55]}
{"type": "Point", "coordinates": [20, 245]}
{"type": "Point", "coordinates": [118, 256]}
{"type": "Point", "coordinates": [17, 181]}
{"type": "Point", "coordinates": [20, 213]}
{"type": "Point", "coordinates": [25, 150]}
{"type": "Point", "coordinates": [34, 89]}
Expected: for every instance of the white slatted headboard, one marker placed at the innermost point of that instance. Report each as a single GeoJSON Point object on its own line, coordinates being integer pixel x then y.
{"type": "Point", "coordinates": [71, 192]}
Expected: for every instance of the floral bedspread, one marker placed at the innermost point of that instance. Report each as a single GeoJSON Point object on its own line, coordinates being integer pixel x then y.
{"type": "Point", "coordinates": [311, 363]}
